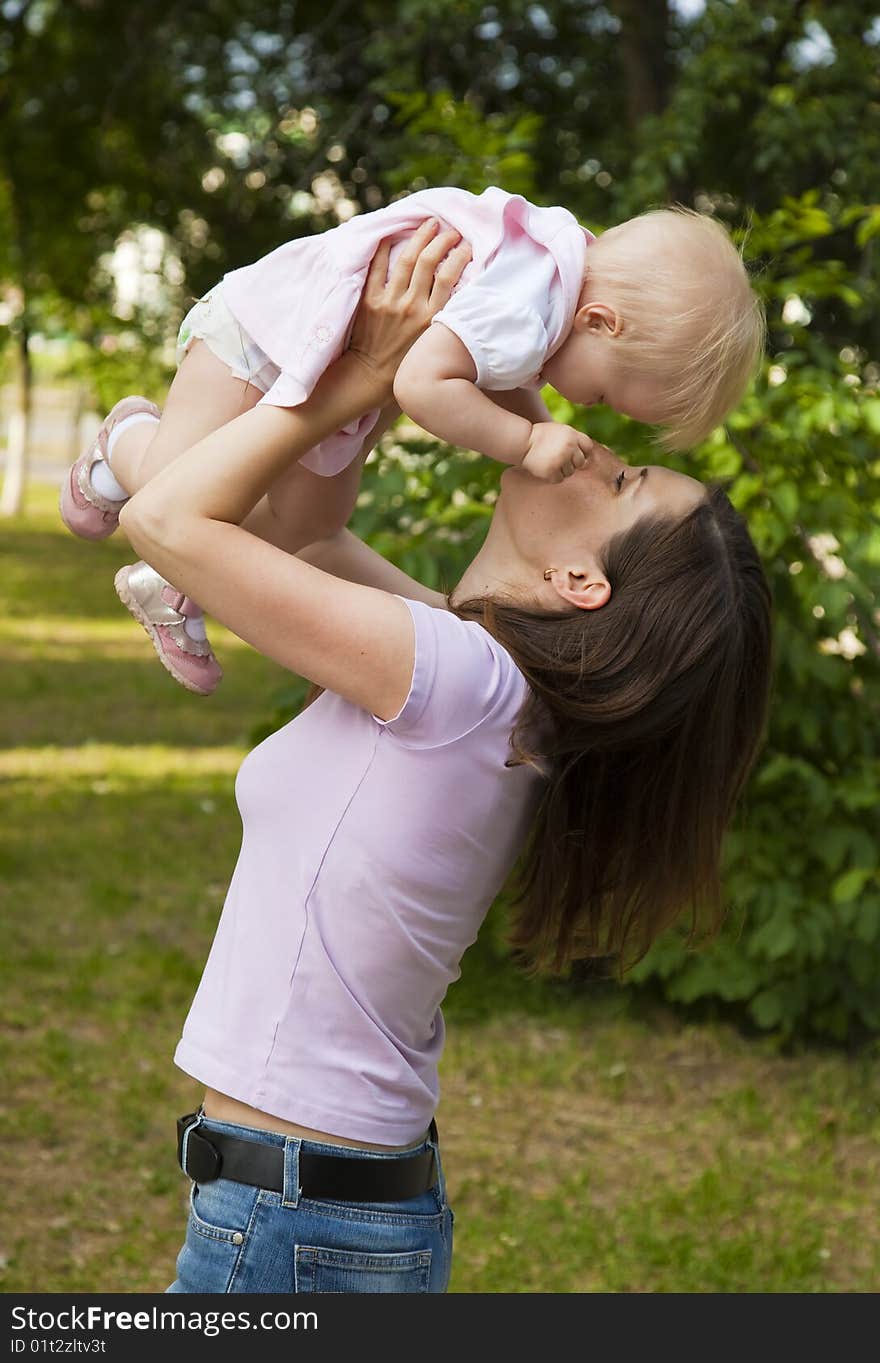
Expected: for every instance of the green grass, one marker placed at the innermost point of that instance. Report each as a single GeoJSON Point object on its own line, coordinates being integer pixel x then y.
{"type": "Point", "coordinates": [592, 1142]}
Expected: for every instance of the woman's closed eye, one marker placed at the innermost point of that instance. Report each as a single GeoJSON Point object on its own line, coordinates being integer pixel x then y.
{"type": "Point", "coordinates": [620, 480]}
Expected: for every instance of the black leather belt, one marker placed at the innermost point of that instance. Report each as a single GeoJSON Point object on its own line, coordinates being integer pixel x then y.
{"type": "Point", "coordinates": [340, 1178]}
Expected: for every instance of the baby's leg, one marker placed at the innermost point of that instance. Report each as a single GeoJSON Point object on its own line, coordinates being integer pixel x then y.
{"type": "Point", "coordinates": [203, 397]}
{"type": "Point", "coordinates": [306, 507]}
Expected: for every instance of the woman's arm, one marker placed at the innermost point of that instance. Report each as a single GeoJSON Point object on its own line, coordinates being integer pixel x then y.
{"type": "Point", "coordinates": [345, 555]}
{"type": "Point", "coordinates": [435, 387]}
{"type": "Point", "coordinates": [355, 640]}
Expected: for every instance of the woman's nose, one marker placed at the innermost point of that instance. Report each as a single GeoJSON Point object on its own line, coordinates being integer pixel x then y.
{"type": "Point", "coordinates": [605, 461]}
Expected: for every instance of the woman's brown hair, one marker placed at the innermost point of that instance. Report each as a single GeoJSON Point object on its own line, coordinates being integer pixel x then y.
{"type": "Point", "coordinates": [646, 717]}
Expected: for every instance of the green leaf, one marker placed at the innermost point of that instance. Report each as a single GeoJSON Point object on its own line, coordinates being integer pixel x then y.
{"type": "Point", "coordinates": [767, 1008]}
{"type": "Point", "coordinates": [871, 414]}
{"type": "Point", "coordinates": [867, 924]}
{"type": "Point", "coordinates": [850, 884]}
{"type": "Point", "coordinates": [869, 227]}
{"type": "Point", "coordinates": [785, 498]}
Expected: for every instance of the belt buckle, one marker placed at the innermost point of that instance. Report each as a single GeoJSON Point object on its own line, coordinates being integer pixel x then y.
{"type": "Point", "coordinates": [197, 1157]}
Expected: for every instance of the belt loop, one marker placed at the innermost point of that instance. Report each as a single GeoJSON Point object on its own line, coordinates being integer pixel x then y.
{"type": "Point", "coordinates": [434, 1144]}
{"type": "Point", "coordinates": [199, 1118]}
{"type": "Point", "coordinates": [290, 1195]}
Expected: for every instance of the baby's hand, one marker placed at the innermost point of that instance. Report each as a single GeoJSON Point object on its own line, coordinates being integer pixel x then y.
{"type": "Point", "coordinates": [554, 451]}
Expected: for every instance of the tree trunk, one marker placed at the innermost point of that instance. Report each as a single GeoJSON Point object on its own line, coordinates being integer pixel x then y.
{"type": "Point", "coordinates": [74, 447]}
{"type": "Point", "coordinates": [18, 432]}
{"type": "Point", "coordinates": [644, 42]}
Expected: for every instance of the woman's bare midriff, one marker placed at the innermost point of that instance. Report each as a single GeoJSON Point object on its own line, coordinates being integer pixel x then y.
{"type": "Point", "coordinates": [225, 1109]}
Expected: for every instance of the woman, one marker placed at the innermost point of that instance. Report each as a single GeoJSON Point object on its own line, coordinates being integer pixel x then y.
{"type": "Point", "coordinates": [599, 675]}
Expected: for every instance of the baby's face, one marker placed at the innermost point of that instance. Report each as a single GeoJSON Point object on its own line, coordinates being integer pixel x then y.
{"type": "Point", "coordinates": [586, 369]}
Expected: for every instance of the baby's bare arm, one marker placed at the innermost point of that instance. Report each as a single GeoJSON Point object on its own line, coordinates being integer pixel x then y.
{"type": "Point", "coordinates": [525, 402]}
{"type": "Point", "coordinates": [435, 387]}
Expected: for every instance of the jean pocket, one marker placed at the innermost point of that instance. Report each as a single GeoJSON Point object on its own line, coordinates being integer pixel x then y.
{"type": "Point", "coordinates": [222, 1210]}
{"type": "Point", "coordinates": [341, 1270]}
{"type": "Point", "coordinates": [220, 1216]}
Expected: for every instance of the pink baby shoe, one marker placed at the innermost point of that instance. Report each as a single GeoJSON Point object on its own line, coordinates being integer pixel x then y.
{"type": "Point", "coordinates": [83, 510]}
{"type": "Point", "coordinates": [162, 610]}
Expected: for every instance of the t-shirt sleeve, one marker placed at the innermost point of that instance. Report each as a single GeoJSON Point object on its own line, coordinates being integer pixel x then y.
{"type": "Point", "coordinates": [461, 676]}
{"type": "Point", "coordinates": [505, 337]}
{"type": "Point", "coordinates": [505, 317]}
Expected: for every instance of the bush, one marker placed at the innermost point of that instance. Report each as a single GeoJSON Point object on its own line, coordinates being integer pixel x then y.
{"type": "Point", "coordinates": [802, 951]}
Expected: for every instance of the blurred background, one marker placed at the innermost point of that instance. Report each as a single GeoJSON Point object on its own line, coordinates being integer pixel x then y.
{"type": "Point", "coordinates": [712, 1125]}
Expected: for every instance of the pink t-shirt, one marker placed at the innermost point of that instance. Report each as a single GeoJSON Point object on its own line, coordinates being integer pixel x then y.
{"type": "Point", "coordinates": [371, 852]}
{"type": "Point", "coordinates": [512, 308]}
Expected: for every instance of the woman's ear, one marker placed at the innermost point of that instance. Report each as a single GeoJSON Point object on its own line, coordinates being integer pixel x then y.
{"type": "Point", "coordinates": [598, 317]}
{"type": "Point", "coordinates": [588, 590]}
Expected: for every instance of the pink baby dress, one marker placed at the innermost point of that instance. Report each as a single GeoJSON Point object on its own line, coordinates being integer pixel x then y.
{"type": "Point", "coordinates": [512, 308]}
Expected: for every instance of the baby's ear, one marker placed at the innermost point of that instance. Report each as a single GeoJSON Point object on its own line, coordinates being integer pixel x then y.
{"type": "Point", "coordinates": [598, 317]}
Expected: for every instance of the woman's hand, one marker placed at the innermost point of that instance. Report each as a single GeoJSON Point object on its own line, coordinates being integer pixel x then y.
{"type": "Point", "coordinates": [392, 314]}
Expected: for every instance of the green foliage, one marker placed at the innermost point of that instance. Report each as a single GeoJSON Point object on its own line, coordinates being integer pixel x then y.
{"type": "Point", "coordinates": [802, 952]}
{"type": "Point", "coordinates": [459, 145]}
{"type": "Point", "coordinates": [116, 366]}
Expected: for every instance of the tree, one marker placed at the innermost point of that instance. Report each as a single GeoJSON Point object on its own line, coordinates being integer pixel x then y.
{"type": "Point", "coordinates": [103, 126]}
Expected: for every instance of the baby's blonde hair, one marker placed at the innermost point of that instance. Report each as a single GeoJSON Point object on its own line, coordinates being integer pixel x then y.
{"type": "Point", "coordinates": [690, 316]}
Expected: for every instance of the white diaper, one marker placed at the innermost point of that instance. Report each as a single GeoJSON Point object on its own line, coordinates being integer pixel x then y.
{"type": "Point", "coordinates": [210, 320]}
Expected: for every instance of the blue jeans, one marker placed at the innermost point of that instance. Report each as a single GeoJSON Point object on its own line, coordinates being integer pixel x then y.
{"type": "Point", "coordinates": [246, 1239]}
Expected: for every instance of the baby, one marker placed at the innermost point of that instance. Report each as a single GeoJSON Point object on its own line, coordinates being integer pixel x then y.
{"type": "Point", "coordinates": [655, 318]}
